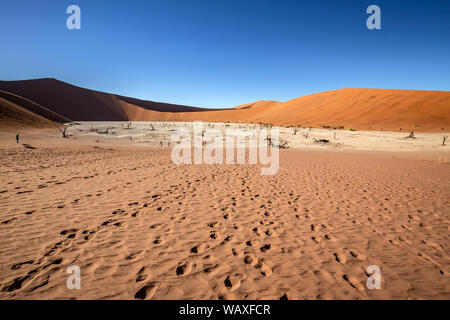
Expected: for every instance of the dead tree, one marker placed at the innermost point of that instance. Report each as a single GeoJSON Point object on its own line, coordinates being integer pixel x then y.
{"type": "Point", "coordinates": [64, 131]}
{"type": "Point", "coordinates": [280, 145]}
{"type": "Point", "coordinates": [308, 133]}
{"type": "Point", "coordinates": [443, 140]}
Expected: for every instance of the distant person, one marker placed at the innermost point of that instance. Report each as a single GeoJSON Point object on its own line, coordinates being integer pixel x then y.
{"type": "Point", "coordinates": [168, 143]}
{"type": "Point", "coordinates": [17, 138]}
{"type": "Point", "coordinates": [160, 143]}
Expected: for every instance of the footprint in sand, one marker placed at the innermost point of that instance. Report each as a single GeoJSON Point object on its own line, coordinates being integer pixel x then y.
{"type": "Point", "coordinates": [324, 275]}
{"type": "Point", "coordinates": [68, 231]}
{"type": "Point", "coordinates": [340, 257]}
{"type": "Point", "coordinates": [250, 259]}
{"type": "Point", "coordinates": [19, 265]}
{"type": "Point", "coordinates": [214, 235]}
{"type": "Point", "coordinates": [317, 240]}
{"type": "Point", "coordinates": [184, 269]}
{"type": "Point", "coordinates": [143, 274]}
{"type": "Point", "coordinates": [233, 281]}
{"type": "Point", "coordinates": [200, 248]}
{"type": "Point", "coordinates": [226, 240]}
{"type": "Point", "coordinates": [263, 268]}
{"type": "Point", "coordinates": [237, 252]}
{"type": "Point", "coordinates": [147, 291]}
{"type": "Point", "coordinates": [133, 255]}
{"type": "Point", "coordinates": [358, 255]}
{"type": "Point", "coordinates": [353, 282]}
{"type": "Point", "coordinates": [8, 221]}
{"type": "Point", "coordinates": [157, 240]}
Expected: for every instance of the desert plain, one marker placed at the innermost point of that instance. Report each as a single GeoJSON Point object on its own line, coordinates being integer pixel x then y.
{"type": "Point", "coordinates": [142, 227]}
{"type": "Point", "coordinates": [353, 190]}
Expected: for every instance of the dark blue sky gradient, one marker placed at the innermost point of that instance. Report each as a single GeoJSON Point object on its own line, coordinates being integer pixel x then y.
{"type": "Point", "coordinates": [213, 53]}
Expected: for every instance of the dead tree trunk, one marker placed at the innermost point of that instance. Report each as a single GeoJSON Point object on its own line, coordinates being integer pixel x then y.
{"type": "Point", "coordinates": [64, 131]}
{"type": "Point", "coordinates": [308, 132]}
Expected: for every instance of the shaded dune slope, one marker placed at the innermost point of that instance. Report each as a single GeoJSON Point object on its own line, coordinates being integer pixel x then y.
{"type": "Point", "coordinates": [12, 115]}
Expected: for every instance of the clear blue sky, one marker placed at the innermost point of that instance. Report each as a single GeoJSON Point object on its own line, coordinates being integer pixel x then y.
{"type": "Point", "coordinates": [214, 53]}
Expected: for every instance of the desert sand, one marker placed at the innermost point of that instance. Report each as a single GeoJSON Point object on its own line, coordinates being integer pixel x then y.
{"type": "Point", "coordinates": [360, 109]}
{"type": "Point", "coordinates": [141, 227]}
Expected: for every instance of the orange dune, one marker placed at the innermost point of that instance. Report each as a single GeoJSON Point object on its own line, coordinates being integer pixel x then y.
{"type": "Point", "coordinates": [361, 109]}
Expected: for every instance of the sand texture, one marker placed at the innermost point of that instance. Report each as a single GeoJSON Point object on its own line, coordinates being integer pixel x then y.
{"type": "Point", "coordinates": [142, 227]}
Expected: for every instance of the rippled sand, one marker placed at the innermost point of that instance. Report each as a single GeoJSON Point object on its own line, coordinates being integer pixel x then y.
{"type": "Point", "coordinates": [142, 227]}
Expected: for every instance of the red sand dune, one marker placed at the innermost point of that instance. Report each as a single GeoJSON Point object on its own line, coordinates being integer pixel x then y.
{"type": "Point", "coordinates": [364, 109]}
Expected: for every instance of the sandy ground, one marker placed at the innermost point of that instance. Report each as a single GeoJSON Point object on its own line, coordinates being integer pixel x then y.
{"type": "Point", "coordinates": [140, 226]}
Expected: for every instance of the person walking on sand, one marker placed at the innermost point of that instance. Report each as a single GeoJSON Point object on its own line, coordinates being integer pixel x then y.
{"type": "Point", "coordinates": [17, 138]}
{"type": "Point", "coordinates": [168, 143]}
{"type": "Point", "coordinates": [160, 142]}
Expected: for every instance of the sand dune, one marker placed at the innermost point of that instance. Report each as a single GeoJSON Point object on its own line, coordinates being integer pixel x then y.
{"type": "Point", "coordinates": [362, 109]}
{"type": "Point", "coordinates": [80, 104]}
{"type": "Point", "coordinates": [13, 116]}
